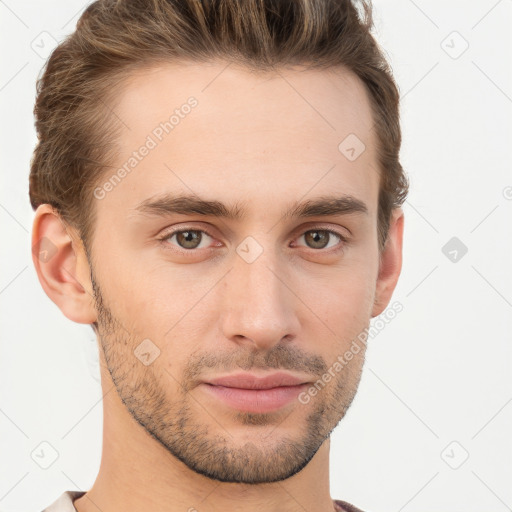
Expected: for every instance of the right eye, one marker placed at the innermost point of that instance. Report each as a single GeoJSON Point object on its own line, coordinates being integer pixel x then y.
{"type": "Point", "coordinates": [187, 239]}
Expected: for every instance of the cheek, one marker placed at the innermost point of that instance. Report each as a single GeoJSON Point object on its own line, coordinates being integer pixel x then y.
{"type": "Point", "coordinates": [342, 299]}
{"type": "Point", "coordinates": [141, 294]}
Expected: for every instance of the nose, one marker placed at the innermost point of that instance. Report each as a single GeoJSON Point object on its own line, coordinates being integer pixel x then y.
{"type": "Point", "coordinates": [258, 308]}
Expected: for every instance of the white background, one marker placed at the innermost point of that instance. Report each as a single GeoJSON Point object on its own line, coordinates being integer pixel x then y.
{"type": "Point", "coordinates": [436, 386]}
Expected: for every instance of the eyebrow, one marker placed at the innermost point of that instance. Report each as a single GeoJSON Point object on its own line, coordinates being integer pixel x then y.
{"type": "Point", "coordinates": [167, 204]}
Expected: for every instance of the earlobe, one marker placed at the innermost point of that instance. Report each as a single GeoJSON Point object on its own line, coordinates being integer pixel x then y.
{"type": "Point", "coordinates": [62, 266]}
{"type": "Point", "coordinates": [390, 263]}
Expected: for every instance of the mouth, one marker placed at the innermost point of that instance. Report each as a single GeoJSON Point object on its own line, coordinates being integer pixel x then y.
{"type": "Point", "coordinates": [256, 394]}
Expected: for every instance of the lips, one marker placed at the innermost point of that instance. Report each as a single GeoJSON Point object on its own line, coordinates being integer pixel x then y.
{"type": "Point", "coordinates": [250, 381]}
{"type": "Point", "coordinates": [256, 394]}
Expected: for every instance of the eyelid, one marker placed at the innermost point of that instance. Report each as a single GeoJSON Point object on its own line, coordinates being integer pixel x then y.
{"type": "Point", "coordinates": [330, 231]}
{"type": "Point", "coordinates": [324, 227]}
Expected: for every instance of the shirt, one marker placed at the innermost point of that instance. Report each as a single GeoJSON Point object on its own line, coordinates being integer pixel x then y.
{"type": "Point", "coordinates": [65, 503]}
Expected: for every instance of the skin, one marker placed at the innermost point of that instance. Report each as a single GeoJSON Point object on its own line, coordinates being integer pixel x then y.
{"type": "Point", "coordinates": [254, 141]}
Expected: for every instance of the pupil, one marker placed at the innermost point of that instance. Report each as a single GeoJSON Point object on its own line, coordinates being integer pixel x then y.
{"type": "Point", "coordinates": [319, 238]}
{"type": "Point", "coordinates": [189, 239]}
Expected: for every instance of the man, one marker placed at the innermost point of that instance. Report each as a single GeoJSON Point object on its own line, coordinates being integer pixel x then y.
{"type": "Point", "coordinates": [217, 191]}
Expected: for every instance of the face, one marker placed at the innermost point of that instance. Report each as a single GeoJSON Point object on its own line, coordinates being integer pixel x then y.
{"type": "Point", "coordinates": [242, 240]}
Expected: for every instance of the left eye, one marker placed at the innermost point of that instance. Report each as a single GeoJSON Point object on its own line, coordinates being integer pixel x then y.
{"type": "Point", "coordinates": [321, 238]}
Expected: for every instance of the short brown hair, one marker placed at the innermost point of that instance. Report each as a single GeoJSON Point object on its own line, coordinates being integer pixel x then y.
{"type": "Point", "coordinates": [76, 126]}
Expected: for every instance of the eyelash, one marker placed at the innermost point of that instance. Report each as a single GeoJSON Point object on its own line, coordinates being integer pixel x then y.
{"type": "Point", "coordinates": [343, 239]}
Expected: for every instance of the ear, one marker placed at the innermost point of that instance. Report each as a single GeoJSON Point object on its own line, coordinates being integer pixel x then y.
{"type": "Point", "coordinates": [61, 265]}
{"type": "Point", "coordinates": [390, 263]}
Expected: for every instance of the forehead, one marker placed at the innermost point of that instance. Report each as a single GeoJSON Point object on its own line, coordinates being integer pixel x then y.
{"type": "Point", "coordinates": [215, 129]}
